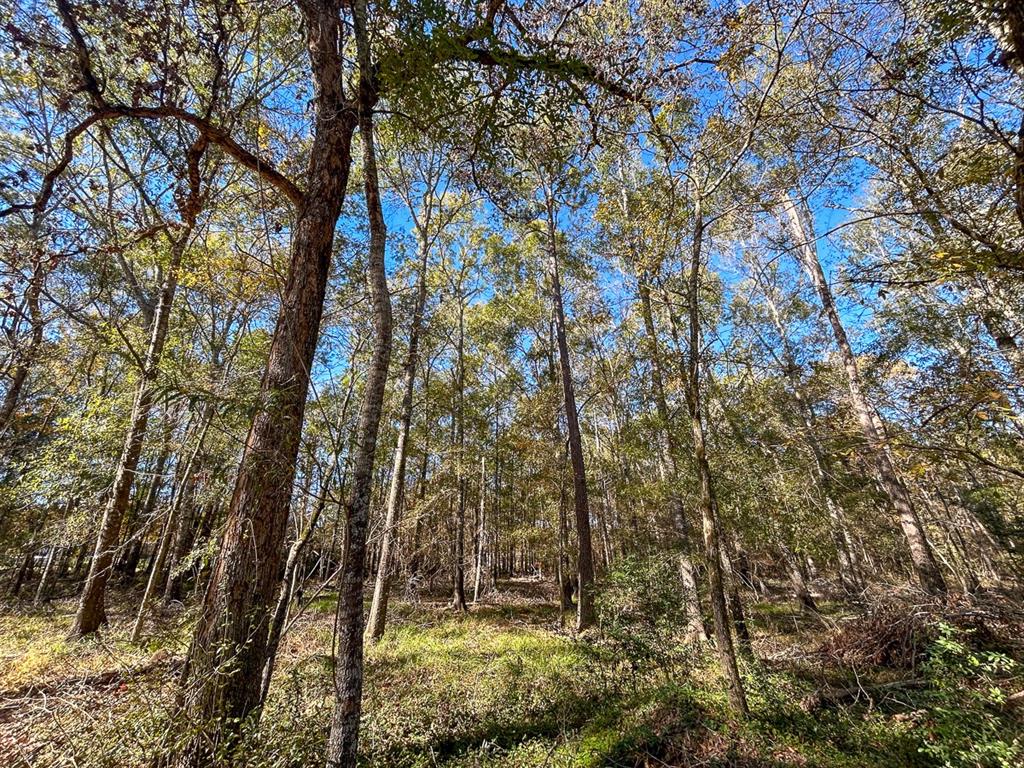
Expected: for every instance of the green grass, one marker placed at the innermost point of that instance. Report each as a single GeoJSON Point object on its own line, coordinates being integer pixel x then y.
{"type": "Point", "coordinates": [501, 686]}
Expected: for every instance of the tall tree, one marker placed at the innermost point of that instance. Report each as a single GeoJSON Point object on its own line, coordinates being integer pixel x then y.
{"type": "Point", "coordinates": [887, 475]}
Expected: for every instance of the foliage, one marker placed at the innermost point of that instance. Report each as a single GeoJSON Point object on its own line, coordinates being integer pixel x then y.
{"type": "Point", "coordinates": [969, 721]}
{"type": "Point", "coordinates": [640, 611]}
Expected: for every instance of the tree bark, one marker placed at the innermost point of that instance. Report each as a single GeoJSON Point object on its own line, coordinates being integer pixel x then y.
{"type": "Point", "coordinates": [25, 570]}
{"type": "Point", "coordinates": [290, 579]}
{"type": "Point", "coordinates": [221, 679]}
{"type": "Point", "coordinates": [91, 608]}
{"type": "Point", "coordinates": [382, 584]}
{"type": "Point", "coordinates": [691, 599]}
{"type": "Point", "coordinates": [585, 614]}
{"type": "Point", "coordinates": [459, 523]}
{"type": "Point", "coordinates": [922, 558]}
{"type": "Point", "coordinates": [343, 743]}
{"type": "Point", "coordinates": [286, 592]}
{"type": "Point", "coordinates": [27, 356]}
{"type": "Point", "coordinates": [481, 532]}
{"type": "Point", "coordinates": [165, 541]}
{"type": "Point", "coordinates": [709, 501]}
{"type": "Point", "coordinates": [849, 569]}
{"type": "Point", "coordinates": [47, 576]}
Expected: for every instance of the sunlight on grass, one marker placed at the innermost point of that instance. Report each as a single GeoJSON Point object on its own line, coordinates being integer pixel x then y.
{"type": "Point", "coordinates": [488, 688]}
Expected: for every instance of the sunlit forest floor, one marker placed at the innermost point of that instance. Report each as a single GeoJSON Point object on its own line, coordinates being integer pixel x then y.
{"type": "Point", "coordinates": [506, 685]}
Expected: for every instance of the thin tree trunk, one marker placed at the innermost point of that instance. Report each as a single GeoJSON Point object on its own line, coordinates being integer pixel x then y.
{"type": "Point", "coordinates": [458, 529]}
{"type": "Point", "coordinates": [562, 569]}
{"type": "Point", "coordinates": [148, 507]}
{"type": "Point", "coordinates": [165, 540]}
{"type": "Point", "coordinates": [27, 357]}
{"type": "Point", "coordinates": [91, 608]}
{"type": "Point", "coordinates": [849, 568]}
{"type": "Point", "coordinates": [421, 492]}
{"type": "Point", "coordinates": [480, 534]}
{"type": "Point", "coordinates": [998, 323]}
{"type": "Point", "coordinates": [382, 584]}
{"type": "Point", "coordinates": [796, 578]}
{"type": "Point", "coordinates": [732, 589]}
{"type": "Point", "coordinates": [922, 558]}
{"type": "Point", "coordinates": [24, 572]}
{"type": "Point", "coordinates": [343, 743]}
{"type": "Point", "coordinates": [691, 599]}
{"type": "Point", "coordinates": [585, 615]}
{"type": "Point", "coordinates": [709, 502]}
{"type": "Point", "coordinates": [289, 581]}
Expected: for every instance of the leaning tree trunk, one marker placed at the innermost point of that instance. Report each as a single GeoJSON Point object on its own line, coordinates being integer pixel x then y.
{"type": "Point", "coordinates": [585, 615]}
{"type": "Point", "coordinates": [221, 679]}
{"type": "Point", "coordinates": [47, 575]}
{"type": "Point", "coordinates": [91, 607]}
{"type": "Point", "coordinates": [922, 558]}
{"type": "Point", "coordinates": [1000, 323]}
{"type": "Point", "coordinates": [290, 581]}
{"type": "Point", "coordinates": [25, 570]}
{"type": "Point", "coordinates": [343, 742]}
{"type": "Point", "coordinates": [27, 356]}
{"type": "Point", "coordinates": [849, 569]}
{"type": "Point", "coordinates": [379, 605]}
{"type": "Point", "coordinates": [164, 545]}
{"type": "Point", "coordinates": [148, 507]}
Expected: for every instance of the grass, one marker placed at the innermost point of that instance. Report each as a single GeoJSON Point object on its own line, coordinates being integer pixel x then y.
{"type": "Point", "coordinates": [501, 686]}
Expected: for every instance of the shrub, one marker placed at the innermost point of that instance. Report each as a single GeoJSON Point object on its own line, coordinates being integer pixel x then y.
{"type": "Point", "coordinates": [969, 726]}
{"type": "Point", "coordinates": [640, 611]}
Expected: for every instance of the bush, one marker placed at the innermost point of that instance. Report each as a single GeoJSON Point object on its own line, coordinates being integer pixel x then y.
{"type": "Point", "coordinates": [969, 726]}
{"type": "Point", "coordinates": [640, 611]}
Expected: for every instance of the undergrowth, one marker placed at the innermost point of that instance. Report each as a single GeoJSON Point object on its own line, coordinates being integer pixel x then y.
{"type": "Point", "coordinates": [504, 686]}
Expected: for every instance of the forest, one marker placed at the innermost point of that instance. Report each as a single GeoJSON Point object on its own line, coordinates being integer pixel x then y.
{"type": "Point", "coordinates": [570, 383]}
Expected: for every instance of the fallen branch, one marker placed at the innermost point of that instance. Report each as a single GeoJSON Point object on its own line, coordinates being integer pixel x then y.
{"type": "Point", "coordinates": [837, 696]}
{"type": "Point", "coordinates": [11, 698]}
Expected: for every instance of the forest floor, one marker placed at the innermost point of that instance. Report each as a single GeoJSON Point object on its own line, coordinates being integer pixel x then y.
{"type": "Point", "coordinates": [506, 685]}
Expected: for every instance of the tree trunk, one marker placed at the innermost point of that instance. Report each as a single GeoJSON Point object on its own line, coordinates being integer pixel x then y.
{"type": "Point", "coordinates": [562, 570]}
{"type": "Point", "coordinates": [849, 569]}
{"type": "Point", "coordinates": [145, 513]}
{"type": "Point", "coordinates": [691, 599]}
{"type": "Point", "coordinates": [923, 560]}
{"type": "Point", "coordinates": [343, 743]}
{"type": "Point", "coordinates": [796, 578]}
{"type": "Point", "coordinates": [999, 324]}
{"type": "Point", "coordinates": [223, 672]}
{"type": "Point", "coordinates": [379, 606]}
{"type": "Point", "coordinates": [47, 576]}
{"type": "Point", "coordinates": [289, 581]}
{"type": "Point", "coordinates": [24, 572]}
{"type": "Point", "coordinates": [481, 532]}
{"type": "Point", "coordinates": [709, 501]}
{"type": "Point", "coordinates": [459, 523]}
{"type": "Point", "coordinates": [585, 615]}
{"type": "Point", "coordinates": [286, 592]}
{"type": "Point", "coordinates": [165, 541]}
{"type": "Point", "coordinates": [27, 357]}
{"type": "Point", "coordinates": [91, 608]}
{"type": "Point", "coordinates": [415, 559]}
